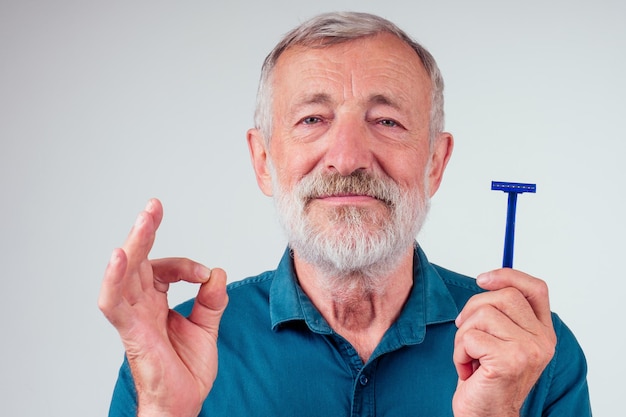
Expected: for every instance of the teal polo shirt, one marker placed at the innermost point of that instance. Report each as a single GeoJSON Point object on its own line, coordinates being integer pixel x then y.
{"type": "Point", "coordinates": [279, 357]}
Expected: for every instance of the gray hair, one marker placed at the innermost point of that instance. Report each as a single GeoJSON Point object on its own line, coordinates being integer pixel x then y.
{"type": "Point", "coordinates": [333, 28]}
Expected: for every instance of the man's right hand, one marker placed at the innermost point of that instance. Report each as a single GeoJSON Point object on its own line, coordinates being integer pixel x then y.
{"type": "Point", "coordinates": [173, 359]}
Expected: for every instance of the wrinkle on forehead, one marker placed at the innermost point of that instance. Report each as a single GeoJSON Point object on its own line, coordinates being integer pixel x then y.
{"type": "Point", "coordinates": [377, 70]}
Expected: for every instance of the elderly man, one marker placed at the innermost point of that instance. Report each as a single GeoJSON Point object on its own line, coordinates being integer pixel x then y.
{"type": "Point", "coordinates": [354, 321]}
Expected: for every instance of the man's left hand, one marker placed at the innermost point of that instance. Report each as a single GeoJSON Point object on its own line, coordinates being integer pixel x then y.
{"type": "Point", "coordinates": [505, 339]}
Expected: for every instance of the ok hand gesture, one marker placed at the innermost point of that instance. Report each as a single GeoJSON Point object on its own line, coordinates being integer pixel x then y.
{"type": "Point", "coordinates": [173, 359]}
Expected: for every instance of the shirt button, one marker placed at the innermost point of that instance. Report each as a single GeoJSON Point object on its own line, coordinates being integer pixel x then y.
{"type": "Point", "coordinates": [363, 380]}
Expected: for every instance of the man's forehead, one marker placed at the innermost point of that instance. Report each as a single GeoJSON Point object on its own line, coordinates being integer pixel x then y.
{"type": "Point", "coordinates": [385, 63]}
{"type": "Point", "coordinates": [368, 49]}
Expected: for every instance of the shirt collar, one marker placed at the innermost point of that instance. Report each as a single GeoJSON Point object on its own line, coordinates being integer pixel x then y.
{"type": "Point", "coordinates": [430, 301]}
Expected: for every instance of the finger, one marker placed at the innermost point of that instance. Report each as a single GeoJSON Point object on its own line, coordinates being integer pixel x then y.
{"type": "Point", "coordinates": [471, 347]}
{"type": "Point", "coordinates": [509, 302]}
{"type": "Point", "coordinates": [464, 362]}
{"type": "Point", "coordinates": [137, 247]}
{"type": "Point", "coordinates": [477, 349]}
{"type": "Point", "coordinates": [111, 299]}
{"type": "Point", "coordinates": [533, 289]}
{"type": "Point", "coordinates": [210, 302]}
{"type": "Point", "coordinates": [126, 271]}
{"type": "Point", "coordinates": [497, 323]}
{"type": "Point", "coordinates": [141, 237]}
{"type": "Point", "coordinates": [169, 270]}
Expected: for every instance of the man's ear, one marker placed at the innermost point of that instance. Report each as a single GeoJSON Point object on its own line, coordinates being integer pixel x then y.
{"type": "Point", "coordinates": [441, 152]}
{"type": "Point", "coordinates": [260, 160]}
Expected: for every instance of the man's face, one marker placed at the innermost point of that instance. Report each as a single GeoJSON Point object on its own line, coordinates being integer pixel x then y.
{"type": "Point", "coordinates": [354, 114]}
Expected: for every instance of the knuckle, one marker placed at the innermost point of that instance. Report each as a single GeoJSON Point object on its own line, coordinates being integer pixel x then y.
{"type": "Point", "coordinates": [541, 288]}
{"type": "Point", "coordinates": [513, 298]}
{"type": "Point", "coordinates": [103, 306]}
{"type": "Point", "coordinates": [485, 313]}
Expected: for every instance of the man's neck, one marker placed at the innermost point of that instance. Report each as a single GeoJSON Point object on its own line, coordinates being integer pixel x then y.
{"type": "Point", "coordinates": [356, 312]}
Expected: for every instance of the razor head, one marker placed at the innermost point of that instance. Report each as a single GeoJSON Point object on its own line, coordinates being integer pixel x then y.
{"type": "Point", "coordinates": [513, 187]}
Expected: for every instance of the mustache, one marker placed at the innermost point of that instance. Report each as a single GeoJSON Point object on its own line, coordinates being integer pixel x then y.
{"type": "Point", "coordinates": [358, 183]}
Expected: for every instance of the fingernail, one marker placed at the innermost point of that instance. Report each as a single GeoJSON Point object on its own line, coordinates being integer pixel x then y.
{"type": "Point", "coordinates": [114, 258]}
{"type": "Point", "coordinates": [140, 219]}
{"type": "Point", "coordinates": [483, 279]}
{"type": "Point", "coordinates": [202, 272]}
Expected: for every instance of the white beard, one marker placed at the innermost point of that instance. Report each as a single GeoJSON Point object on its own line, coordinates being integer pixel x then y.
{"type": "Point", "coordinates": [353, 247]}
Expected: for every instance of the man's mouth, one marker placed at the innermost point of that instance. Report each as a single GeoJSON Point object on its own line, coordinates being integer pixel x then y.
{"type": "Point", "coordinates": [347, 198]}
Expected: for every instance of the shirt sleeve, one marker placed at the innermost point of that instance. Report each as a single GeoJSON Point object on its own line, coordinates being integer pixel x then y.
{"type": "Point", "coordinates": [562, 389]}
{"type": "Point", "coordinates": [124, 401]}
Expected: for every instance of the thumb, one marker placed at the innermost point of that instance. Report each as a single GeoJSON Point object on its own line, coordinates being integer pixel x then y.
{"type": "Point", "coordinates": [210, 302]}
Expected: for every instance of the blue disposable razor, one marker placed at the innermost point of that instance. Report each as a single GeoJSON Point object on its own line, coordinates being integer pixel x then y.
{"type": "Point", "coordinates": [512, 189]}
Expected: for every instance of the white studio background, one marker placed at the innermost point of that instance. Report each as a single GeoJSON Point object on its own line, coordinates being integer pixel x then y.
{"type": "Point", "coordinates": [106, 104]}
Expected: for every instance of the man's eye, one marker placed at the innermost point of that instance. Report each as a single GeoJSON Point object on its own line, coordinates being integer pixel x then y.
{"type": "Point", "coordinates": [311, 120]}
{"type": "Point", "coordinates": [388, 123]}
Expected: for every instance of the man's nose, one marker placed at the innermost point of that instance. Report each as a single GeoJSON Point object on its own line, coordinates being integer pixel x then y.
{"type": "Point", "coordinates": [348, 148]}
